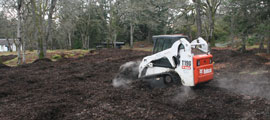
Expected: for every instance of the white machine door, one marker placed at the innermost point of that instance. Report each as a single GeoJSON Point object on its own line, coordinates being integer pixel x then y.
{"type": "Point", "coordinates": [185, 67]}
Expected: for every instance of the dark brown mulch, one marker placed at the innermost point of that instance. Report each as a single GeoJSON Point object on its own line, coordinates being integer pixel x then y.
{"type": "Point", "coordinates": [82, 89]}
{"type": "Point", "coordinates": [3, 66]}
{"type": "Point", "coordinates": [7, 57]}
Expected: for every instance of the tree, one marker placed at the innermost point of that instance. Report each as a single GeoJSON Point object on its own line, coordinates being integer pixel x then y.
{"type": "Point", "coordinates": [129, 13]}
{"type": "Point", "coordinates": [211, 7]}
{"type": "Point", "coordinates": [19, 15]}
{"type": "Point", "coordinates": [68, 15]}
{"type": "Point", "coordinates": [198, 17]}
{"type": "Point", "coordinates": [42, 30]}
{"type": "Point", "coordinates": [48, 37]}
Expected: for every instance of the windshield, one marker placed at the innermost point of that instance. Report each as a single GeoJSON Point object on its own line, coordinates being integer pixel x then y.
{"type": "Point", "coordinates": [163, 44]}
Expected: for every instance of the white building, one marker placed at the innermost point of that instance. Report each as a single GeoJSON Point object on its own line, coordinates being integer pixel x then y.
{"type": "Point", "coordinates": [4, 45]}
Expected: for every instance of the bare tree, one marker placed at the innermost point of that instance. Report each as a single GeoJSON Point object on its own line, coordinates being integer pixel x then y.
{"type": "Point", "coordinates": [129, 14]}
{"type": "Point", "coordinates": [48, 37]}
{"type": "Point", "coordinates": [42, 31]}
{"type": "Point", "coordinates": [68, 13]}
{"type": "Point", "coordinates": [211, 9]}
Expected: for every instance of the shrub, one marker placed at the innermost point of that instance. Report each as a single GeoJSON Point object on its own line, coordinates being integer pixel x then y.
{"type": "Point", "coordinates": [56, 57]}
{"type": "Point", "coordinates": [71, 55]}
{"type": "Point", "coordinates": [81, 55]}
{"type": "Point", "coordinates": [252, 40]}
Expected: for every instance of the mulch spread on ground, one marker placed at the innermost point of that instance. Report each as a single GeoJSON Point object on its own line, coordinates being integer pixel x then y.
{"type": "Point", "coordinates": [4, 59]}
{"type": "Point", "coordinates": [82, 89]}
{"type": "Point", "coordinates": [7, 57]}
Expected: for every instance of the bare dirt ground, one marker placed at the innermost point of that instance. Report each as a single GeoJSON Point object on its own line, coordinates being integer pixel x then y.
{"type": "Point", "coordinates": [82, 88]}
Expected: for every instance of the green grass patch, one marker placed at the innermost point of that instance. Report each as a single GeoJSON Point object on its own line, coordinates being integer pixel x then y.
{"type": "Point", "coordinates": [255, 46]}
{"type": "Point", "coordinates": [56, 57]}
{"type": "Point", "coordinates": [12, 62]}
{"type": "Point", "coordinates": [71, 55]}
{"type": "Point", "coordinates": [81, 55]}
{"type": "Point", "coordinates": [7, 53]}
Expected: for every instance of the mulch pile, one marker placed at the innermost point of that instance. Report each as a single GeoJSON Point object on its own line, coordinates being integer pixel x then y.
{"type": "Point", "coordinates": [7, 57]}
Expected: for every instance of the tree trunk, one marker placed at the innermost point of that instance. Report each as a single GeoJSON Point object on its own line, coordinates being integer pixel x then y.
{"type": "Point", "coordinates": [44, 48]}
{"type": "Point", "coordinates": [190, 33]}
{"type": "Point", "coordinates": [232, 31]}
{"type": "Point", "coordinates": [69, 41]}
{"type": "Point", "coordinates": [207, 34]}
{"type": "Point", "coordinates": [40, 48]}
{"type": "Point", "coordinates": [198, 17]}
{"type": "Point", "coordinates": [268, 45]}
{"type": "Point", "coordinates": [211, 29]}
{"type": "Point", "coordinates": [131, 35]}
{"type": "Point", "coordinates": [19, 30]}
{"type": "Point", "coordinates": [51, 40]}
{"type": "Point", "coordinates": [23, 51]}
{"type": "Point", "coordinates": [261, 47]}
{"type": "Point", "coordinates": [9, 46]}
{"type": "Point", "coordinates": [34, 18]}
{"type": "Point", "coordinates": [212, 6]}
{"type": "Point", "coordinates": [48, 36]}
{"type": "Point", "coordinates": [88, 42]}
{"type": "Point", "coordinates": [40, 40]}
{"type": "Point", "coordinates": [83, 41]}
{"type": "Point", "coordinates": [114, 39]}
{"type": "Point", "coordinates": [38, 20]}
{"type": "Point", "coordinates": [211, 38]}
{"type": "Point", "coordinates": [244, 37]}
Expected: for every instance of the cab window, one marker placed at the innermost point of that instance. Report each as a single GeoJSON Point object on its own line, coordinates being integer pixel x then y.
{"type": "Point", "coordinates": [167, 44]}
{"type": "Point", "coordinates": [155, 47]}
{"type": "Point", "coordinates": [182, 46]}
{"type": "Point", "coordinates": [160, 45]}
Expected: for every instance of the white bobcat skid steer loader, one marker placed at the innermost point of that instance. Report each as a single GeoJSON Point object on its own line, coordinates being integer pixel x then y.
{"type": "Point", "coordinates": [174, 60]}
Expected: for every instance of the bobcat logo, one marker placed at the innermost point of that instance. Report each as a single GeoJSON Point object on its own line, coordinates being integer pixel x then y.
{"type": "Point", "coordinates": [205, 71]}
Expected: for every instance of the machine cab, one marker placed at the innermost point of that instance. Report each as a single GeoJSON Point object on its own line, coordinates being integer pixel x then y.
{"type": "Point", "coordinates": [163, 42]}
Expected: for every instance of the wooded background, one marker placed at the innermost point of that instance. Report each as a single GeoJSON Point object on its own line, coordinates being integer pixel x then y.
{"type": "Point", "coordinates": [79, 24]}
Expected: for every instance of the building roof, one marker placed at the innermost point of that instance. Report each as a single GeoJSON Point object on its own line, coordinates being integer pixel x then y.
{"type": "Point", "coordinates": [5, 42]}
